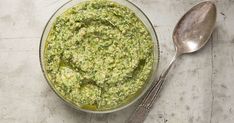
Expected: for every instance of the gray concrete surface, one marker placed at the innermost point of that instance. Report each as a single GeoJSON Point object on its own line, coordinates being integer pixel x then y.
{"type": "Point", "coordinates": [199, 88]}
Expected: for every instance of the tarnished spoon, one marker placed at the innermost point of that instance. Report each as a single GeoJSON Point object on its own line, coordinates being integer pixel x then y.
{"type": "Point", "coordinates": [190, 34]}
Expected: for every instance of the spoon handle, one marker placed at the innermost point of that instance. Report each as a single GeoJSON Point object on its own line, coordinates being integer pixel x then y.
{"type": "Point", "coordinates": [145, 106]}
{"type": "Point", "coordinates": [143, 109]}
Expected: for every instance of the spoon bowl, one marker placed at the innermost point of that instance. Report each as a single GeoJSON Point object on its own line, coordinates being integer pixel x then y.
{"type": "Point", "coordinates": [195, 28]}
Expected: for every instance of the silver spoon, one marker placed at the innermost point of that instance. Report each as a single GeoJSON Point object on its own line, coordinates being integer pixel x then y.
{"type": "Point", "coordinates": [190, 34]}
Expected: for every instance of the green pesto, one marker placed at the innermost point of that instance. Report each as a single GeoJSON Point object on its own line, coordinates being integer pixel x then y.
{"type": "Point", "coordinates": [98, 54]}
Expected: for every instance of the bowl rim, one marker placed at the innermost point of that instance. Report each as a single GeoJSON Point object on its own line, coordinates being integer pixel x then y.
{"type": "Point", "coordinates": [134, 100]}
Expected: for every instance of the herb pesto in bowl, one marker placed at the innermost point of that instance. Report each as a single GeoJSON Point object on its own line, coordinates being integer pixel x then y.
{"type": "Point", "coordinates": [98, 55]}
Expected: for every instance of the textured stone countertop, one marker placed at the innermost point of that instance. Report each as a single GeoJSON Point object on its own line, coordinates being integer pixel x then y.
{"type": "Point", "coordinates": [199, 88]}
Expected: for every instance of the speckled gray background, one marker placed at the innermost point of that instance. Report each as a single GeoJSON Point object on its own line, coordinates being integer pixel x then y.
{"type": "Point", "coordinates": [199, 88]}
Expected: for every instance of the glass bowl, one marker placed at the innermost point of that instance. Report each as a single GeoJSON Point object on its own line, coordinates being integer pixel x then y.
{"type": "Point", "coordinates": [148, 25]}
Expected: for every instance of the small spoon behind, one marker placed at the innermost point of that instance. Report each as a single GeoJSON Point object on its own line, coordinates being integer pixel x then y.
{"type": "Point", "coordinates": [190, 34]}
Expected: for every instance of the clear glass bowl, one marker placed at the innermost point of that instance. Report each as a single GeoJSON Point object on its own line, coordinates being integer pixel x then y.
{"type": "Point", "coordinates": [140, 15]}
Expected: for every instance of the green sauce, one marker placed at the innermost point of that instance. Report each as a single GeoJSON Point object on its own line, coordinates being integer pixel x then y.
{"type": "Point", "coordinates": [98, 54]}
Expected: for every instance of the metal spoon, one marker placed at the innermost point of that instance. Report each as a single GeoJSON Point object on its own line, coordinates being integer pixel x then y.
{"type": "Point", "coordinates": [190, 34]}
